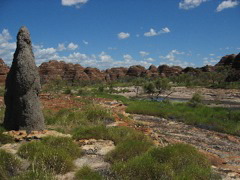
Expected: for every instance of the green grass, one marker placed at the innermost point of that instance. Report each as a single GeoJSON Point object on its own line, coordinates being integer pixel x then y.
{"type": "Point", "coordinates": [9, 165]}
{"type": "Point", "coordinates": [5, 139]}
{"type": "Point", "coordinates": [88, 115]}
{"type": "Point", "coordinates": [219, 119]}
{"type": "Point", "coordinates": [34, 174]}
{"type": "Point", "coordinates": [173, 162]}
{"type": "Point", "coordinates": [85, 173]}
{"type": "Point", "coordinates": [128, 149]}
{"type": "Point", "coordinates": [53, 154]}
{"type": "Point", "coordinates": [88, 132]}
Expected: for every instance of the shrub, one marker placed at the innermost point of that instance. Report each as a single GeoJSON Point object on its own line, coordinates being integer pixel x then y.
{"type": "Point", "coordinates": [128, 149]}
{"type": "Point", "coordinates": [53, 154]}
{"type": "Point", "coordinates": [64, 143]}
{"type": "Point", "coordinates": [85, 173]}
{"type": "Point", "coordinates": [149, 88]}
{"type": "Point", "coordinates": [122, 134]}
{"type": "Point", "coordinates": [34, 174]}
{"type": "Point", "coordinates": [196, 100]}
{"type": "Point", "coordinates": [177, 161]}
{"type": "Point", "coordinates": [96, 132]}
{"type": "Point", "coordinates": [67, 91]}
{"type": "Point", "coordinates": [9, 165]}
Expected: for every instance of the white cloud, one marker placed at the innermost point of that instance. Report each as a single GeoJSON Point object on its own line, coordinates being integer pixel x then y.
{"type": "Point", "coordinates": [123, 35]}
{"type": "Point", "coordinates": [72, 46]}
{"type": "Point", "coordinates": [212, 54]}
{"type": "Point", "coordinates": [43, 54]}
{"type": "Point", "coordinates": [173, 60]}
{"type": "Point", "coordinates": [76, 3]}
{"type": "Point", "coordinates": [85, 42]}
{"type": "Point", "coordinates": [6, 47]}
{"type": "Point", "coordinates": [104, 57]}
{"type": "Point", "coordinates": [144, 53]}
{"type": "Point", "coordinates": [112, 48]}
{"type": "Point", "coordinates": [150, 59]}
{"type": "Point", "coordinates": [227, 4]}
{"type": "Point", "coordinates": [190, 4]}
{"type": "Point", "coordinates": [153, 32]}
{"type": "Point", "coordinates": [61, 47]}
{"type": "Point", "coordinates": [166, 30]}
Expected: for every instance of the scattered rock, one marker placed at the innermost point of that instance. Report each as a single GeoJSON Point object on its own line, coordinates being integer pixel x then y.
{"type": "Point", "coordinates": [34, 135]}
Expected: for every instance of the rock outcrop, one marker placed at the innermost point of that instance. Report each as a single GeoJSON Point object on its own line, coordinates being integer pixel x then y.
{"type": "Point", "coordinates": [167, 71]}
{"type": "Point", "coordinates": [23, 110]}
{"type": "Point", "coordinates": [136, 71]}
{"type": "Point", "coordinates": [227, 60]}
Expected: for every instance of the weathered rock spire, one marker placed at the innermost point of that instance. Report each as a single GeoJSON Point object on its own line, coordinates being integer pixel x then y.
{"type": "Point", "coordinates": [23, 110]}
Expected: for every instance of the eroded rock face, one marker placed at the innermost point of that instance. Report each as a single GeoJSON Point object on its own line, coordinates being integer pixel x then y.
{"type": "Point", "coordinates": [23, 110]}
{"type": "Point", "coordinates": [136, 71]}
{"type": "Point", "coordinates": [227, 60]}
{"type": "Point", "coordinates": [116, 73]}
{"type": "Point", "coordinates": [165, 70]}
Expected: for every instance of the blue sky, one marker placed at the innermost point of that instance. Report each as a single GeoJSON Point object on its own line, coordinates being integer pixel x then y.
{"type": "Point", "coordinates": [107, 33]}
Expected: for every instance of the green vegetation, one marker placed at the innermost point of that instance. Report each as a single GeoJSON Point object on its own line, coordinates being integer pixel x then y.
{"type": "Point", "coordinates": [9, 165]}
{"type": "Point", "coordinates": [175, 162]}
{"type": "Point", "coordinates": [68, 119]}
{"type": "Point", "coordinates": [53, 154]}
{"type": "Point", "coordinates": [219, 119]}
{"type": "Point", "coordinates": [34, 175]}
{"type": "Point", "coordinates": [85, 173]}
{"type": "Point", "coordinates": [196, 100]}
{"type": "Point", "coordinates": [4, 139]}
{"type": "Point", "coordinates": [128, 149]}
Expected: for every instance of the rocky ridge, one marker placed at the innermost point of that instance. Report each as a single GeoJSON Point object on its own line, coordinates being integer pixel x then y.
{"type": "Point", "coordinates": [75, 73]}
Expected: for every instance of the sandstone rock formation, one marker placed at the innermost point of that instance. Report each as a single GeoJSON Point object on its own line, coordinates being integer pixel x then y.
{"type": "Point", "coordinates": [227, 60]}
{"type": "Point", "coordinates": [60, 70]}
{"type": "Point", "coordinates": [136, 71]}
{"type": "Point", "coordinates": [4, 69]}
{"type": "Point", "coordinates": [23, 110]}
{"type": "Point", "coordinates": [116, 73]}
{"type": "Point", "coordinates": [165, 70]}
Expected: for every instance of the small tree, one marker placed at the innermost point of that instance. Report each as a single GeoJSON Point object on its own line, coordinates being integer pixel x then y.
{"type": "Point", "coordinates": [196, 100]}
{"type": "Point", "coordinates": [149, 88]}
{"type": "Point", "coordinates": [162, 85]}
{"type": "Point", "coordinates": [137, 84]}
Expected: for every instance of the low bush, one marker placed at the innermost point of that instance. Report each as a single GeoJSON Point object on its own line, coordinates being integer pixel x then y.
{"type": "Point", "coordinates": [196, 100]}
{"type": "Point", "coordinates": [64, 143]}
{"type": "Point", "coordinates": [128, 149]}
{"type": "Point", "coordinates": [95, 132]}
{"type": "Point", "coordinates": [121, 134]}
{"type": "Point", "coordinates": [34, 174]}
{"type": "Point", "coordinates": [177, 161]}
{"type": "Point", "coordinates": [53, 154]}
{"type": "Point", "coordinates": [85, 173]}
{"type": "Point", "coordinates": [9, 165]}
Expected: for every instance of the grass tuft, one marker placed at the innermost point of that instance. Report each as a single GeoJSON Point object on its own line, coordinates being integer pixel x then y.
{"type": "Point", "coordinates": [177, 161]}
{"type": "Point", "coordinates": [85, 173]}
{"type": "Point", "coordinates": [53, 154]}
{"type": "Point", "coordinates": [9, 165]}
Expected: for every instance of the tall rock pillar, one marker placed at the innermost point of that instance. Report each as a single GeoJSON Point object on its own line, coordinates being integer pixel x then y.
{"type": "Point", "coordinates": [23, 110]}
